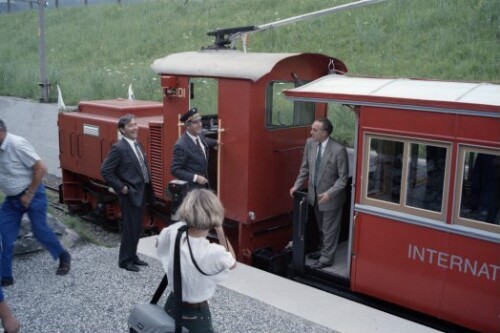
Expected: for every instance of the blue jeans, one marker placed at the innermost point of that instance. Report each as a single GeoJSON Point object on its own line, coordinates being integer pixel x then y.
{"type": "Point", "coordinates": [1, 251]}
{"type": "Point", "coordinates": [10, 220]}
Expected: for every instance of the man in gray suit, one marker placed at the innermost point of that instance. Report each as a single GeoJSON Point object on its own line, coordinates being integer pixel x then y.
{"type": "Point", "coordinates": [190, 160]}
{"type": "Point", "coordinates": [325, 165]}
{"type": "Point", "coordinates": [126, 170]}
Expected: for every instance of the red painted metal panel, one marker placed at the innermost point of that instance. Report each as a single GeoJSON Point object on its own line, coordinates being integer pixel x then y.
{"type": "Point", "coordinates": [173, 106]}
{"type": "Point", "coordinates": [66, 127]}
{"type": "Point", "coordinates": [235, 111]}
{"type": "Point", "coordinates": [476, 129]}
{"type": "Point", "coordinates": [408, 123]}
{"type": "Point", "coordinates": [451, 277]}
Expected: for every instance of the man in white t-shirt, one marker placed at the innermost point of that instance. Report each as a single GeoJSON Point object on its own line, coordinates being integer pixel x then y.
{"type": "Point", "coordinates": [21, 174]}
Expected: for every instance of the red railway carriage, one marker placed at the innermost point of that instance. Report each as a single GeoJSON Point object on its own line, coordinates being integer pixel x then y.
{"type": "Point", "coordinates": [423, 223]}
{"type": "Point", "coordinates": [239, 95]}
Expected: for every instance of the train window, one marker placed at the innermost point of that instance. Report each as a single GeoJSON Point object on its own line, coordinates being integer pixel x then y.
{"type": "Point", "coordinates": [406, 175]}
{"type": "Point", "coordinates": [425, 181]}
{"type": "Point", "coordinates": [203, 95]}
{"type": "Point", "coordinates": [479, 188]}
{"type": "Point", "coordinates": [281, 112]}
{"type": "Point", "coordinates": [344, 123]}
{"type": "Point", "coordinates": [384, 183]}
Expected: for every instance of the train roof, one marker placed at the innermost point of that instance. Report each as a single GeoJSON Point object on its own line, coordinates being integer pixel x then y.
{"type": "Point", "coordinates": [401, 92]}
{"type": "Point", "coordinates": [121, 106]}
{"type": "Point", "coordinates": [227, 63]}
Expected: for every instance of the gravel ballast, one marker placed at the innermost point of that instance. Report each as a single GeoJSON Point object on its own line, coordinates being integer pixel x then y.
{"type": "Point", "coordinates": [96, 296]}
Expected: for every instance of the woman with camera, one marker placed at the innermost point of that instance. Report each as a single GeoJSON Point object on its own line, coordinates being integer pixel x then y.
{"type": "Point", "coordinates": [203, 264]}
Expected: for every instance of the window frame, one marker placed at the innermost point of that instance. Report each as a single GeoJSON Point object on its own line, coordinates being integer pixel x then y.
{"type": "Point", "coordinates": [205, 107]}
{"type": "Point", "coordinates": [269, 111]}
{"type": "Point", "coordinates": [402, 206]}
{"type": "Point", "coordinates": [459, 179]}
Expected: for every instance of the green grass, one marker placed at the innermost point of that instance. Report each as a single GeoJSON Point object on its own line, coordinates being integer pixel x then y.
{"type": "Point", "coordinates": [95, 52]}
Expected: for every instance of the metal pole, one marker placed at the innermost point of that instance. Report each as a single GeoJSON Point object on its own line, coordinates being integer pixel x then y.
{"type": "Point", "coordinates": [294, 19]}
{"type": "Point", "coordinates": [44, 83]}
{"type": "Point", "coordinates": [219, 150]}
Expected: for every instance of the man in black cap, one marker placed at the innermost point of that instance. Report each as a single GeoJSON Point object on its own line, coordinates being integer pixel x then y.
{"type": "Point", "coordinates": [190, 161]}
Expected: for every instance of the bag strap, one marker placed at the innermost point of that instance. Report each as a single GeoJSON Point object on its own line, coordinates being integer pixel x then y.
{"type": "Point", "coordinates": [196, 264]}
{"type": "Point", "coordinates": [178, 281]}
{"type": "Point", "coordinates": [159, 291]}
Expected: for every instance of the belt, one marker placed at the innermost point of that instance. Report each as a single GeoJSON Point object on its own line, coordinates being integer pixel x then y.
{"type": "Point", "coordinates": [17, 195]}
{"type": "Point", "coordinates": [199, 305]}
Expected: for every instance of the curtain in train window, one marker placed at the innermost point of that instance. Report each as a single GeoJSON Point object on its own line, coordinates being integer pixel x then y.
{"type": "Point", "coordinates": [426, 175]}
{"type": "Point", "coordinates": [384, 182]}
{"type": "Point", "coordinates": [281, 112]}
{"type": "Point", "coordinates": [480, 199]}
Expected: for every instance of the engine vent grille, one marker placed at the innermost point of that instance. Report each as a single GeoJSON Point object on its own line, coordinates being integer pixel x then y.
{"type": "Point", "coordinates": [156, 154]}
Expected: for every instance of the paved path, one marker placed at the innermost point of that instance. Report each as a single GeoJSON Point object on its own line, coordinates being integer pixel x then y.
{"type": "Point", "coordinates": [311, 304]}
{"type": "Point", "coordinates": [37, 122]}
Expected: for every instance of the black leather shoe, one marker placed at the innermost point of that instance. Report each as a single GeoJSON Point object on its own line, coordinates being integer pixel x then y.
{"type": "Point", "coordinates": [7, 282]}
{"type": "Point", "coordinates": [140, 262]}
{"type": "Point", "coordinates": [64, 263]}
{"type": "Point", "coordinates": [319, 264]}
{"type": "Point", "coordinates": [130, 267]}
{"type": "Point", "coordinates": [315, 255]}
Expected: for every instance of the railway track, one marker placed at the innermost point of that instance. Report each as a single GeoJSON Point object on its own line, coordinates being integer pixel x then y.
{"type": "Point", "coordinates": [95, 229]}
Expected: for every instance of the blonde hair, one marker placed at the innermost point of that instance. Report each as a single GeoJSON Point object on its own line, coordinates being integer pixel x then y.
{"type": "Point", "coordinates": [201, 209]}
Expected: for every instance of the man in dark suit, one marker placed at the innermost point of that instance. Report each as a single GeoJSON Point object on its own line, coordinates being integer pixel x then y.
{"type": "Point", "coordinates": [190, 160]}
{"type": "Point", "coordinates": [126, 171]}
{"type": "Point", "coordinates": [325, 164]}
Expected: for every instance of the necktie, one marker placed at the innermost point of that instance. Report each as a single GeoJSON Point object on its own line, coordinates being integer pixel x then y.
{"type": "Point", "coordinates": [199, 146]}
{"type": "Point", "coordinates": [316, 165]}
{"type": "Point", "coordinates": [141, 162]}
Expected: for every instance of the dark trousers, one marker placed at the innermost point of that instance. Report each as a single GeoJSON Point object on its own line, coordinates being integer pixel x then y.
{"type": "Point", "coordinates": [132, 217]}
{"type": "Point", "coordinates": [10, 220]}
{"type": "Point", "coordinates": [196, 320]}
{"type": "Point", "coordinates": [329, 229]}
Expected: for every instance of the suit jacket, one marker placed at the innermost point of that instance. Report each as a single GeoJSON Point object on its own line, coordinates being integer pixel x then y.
{"type": "Point", "coordinates": [332, 174]}
{"type": "Point", "coordinates": [188, 158]}
{"type": "Point", "coordinates": [121, 167]}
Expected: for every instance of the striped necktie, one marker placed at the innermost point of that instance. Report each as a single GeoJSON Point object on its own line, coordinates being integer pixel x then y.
{"type": "Point", "coordinates": [140, 157]}
{"type": "Point", "coordinates": [316, 165]}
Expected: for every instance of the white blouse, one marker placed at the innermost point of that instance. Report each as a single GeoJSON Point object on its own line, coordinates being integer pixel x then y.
{"type": "Point", "coordinates": [210, 257]}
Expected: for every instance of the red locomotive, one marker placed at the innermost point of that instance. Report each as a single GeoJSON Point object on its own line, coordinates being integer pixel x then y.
{"type": "Point", "coordinates": [422, 227]}
{"type": "Point", "coordinates": [261, 132]}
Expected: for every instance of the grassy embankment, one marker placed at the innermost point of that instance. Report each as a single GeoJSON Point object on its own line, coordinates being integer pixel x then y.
{"type": "Point", "coordinates": [95, 52]}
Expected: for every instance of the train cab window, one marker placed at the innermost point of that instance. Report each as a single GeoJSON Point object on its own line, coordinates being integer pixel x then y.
{"type": "Point", "coordinates": [281, 112]}
{"type": "Point", "coordinates": [406, 175]}
{"type": "Point", "coordinates": [479, 188]}
{"type": "Point", "coordinates": [203, 95]}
